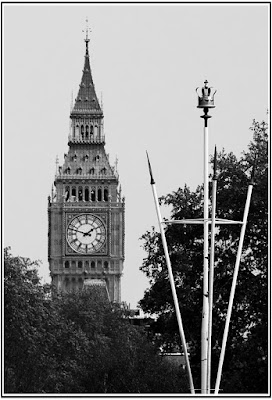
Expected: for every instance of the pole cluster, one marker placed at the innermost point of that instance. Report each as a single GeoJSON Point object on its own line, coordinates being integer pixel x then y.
{"type": "Point", "coordinates": [205, 101]}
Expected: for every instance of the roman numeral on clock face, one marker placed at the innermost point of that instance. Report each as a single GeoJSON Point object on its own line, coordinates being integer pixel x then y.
{"type": "Point", "coordinates": [101, 238]}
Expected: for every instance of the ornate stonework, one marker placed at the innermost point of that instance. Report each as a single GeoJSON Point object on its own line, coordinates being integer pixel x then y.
{"type": "Point", "coordinates": [86, 186]}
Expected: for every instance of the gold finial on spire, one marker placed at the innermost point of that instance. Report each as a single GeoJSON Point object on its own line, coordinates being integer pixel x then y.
{"type": "Point", "coordinates": [87, 30]}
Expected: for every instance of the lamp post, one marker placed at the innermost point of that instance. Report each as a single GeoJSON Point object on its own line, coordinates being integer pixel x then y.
{"type": "Point", "coordinates": [205, 101]}
{"type": "Point", "coordinates": [211, 272]}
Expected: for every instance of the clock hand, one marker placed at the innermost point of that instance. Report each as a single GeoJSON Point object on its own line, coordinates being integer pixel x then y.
{"type": "Point", "coordinates": [88, 233]}
{"type": "Point", "coordinates": [76, 230]}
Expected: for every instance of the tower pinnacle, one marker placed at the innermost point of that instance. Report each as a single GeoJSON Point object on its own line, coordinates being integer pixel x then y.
{"type": "Point", "coordinates": [86, 101]}
{"type": "Point", "coordinates": [87, 30]}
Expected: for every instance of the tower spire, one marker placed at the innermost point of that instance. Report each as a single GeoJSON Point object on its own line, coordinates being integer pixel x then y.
{"type": "Point", "coordinates": [86, 101]}
{"type": "Point", "coordinates": [87, 30]}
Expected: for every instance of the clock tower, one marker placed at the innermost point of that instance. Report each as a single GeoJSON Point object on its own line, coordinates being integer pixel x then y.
{"type": "Point", "coordinates": [86, 209]}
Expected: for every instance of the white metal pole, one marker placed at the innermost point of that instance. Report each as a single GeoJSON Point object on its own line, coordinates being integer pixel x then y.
{"type": "Point", "coordinates": [205, 312]}
{"type": "Point", "coordinates": [174, 294]}
{"type": "Point", "coordinates": [232, 292]}
{"type": "Point", "coordinates": [211, 278]}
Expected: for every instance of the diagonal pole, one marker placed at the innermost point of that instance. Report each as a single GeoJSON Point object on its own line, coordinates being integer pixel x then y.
{"type": "Point", "coordinates": [211, 275]}
{"type": "Point", "coordinates": [171, 278]}
{"type": "Point", "coordinates": [233, 287]}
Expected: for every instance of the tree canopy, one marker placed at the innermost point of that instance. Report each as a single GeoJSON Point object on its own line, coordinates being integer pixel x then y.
{"type": "Point", "coordinates": [245, 366]}
{"type": "Point", "coordinates": [75, 343]}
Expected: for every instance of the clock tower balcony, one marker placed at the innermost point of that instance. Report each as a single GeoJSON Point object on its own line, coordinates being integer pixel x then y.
{"type": "Point", "coordinates": [94, 204]}
{"type": "Point", "coordinates": [95, 175]}
{"type": "Point", "coordinates": [91, 140]}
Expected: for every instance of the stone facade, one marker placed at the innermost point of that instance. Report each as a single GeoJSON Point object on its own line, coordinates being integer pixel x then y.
{"type": "Point", "coordinates": [86, 209]}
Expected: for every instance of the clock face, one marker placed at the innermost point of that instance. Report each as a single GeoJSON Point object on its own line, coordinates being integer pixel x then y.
{"type": "Point", "coordinates": [86, 233]}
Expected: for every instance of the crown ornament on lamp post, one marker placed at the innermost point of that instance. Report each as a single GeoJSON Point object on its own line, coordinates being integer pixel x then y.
{"type": "Point", "coordinates": [206, 100]}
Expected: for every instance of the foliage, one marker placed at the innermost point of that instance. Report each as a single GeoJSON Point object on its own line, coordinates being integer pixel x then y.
{"type": "Point", "coordinates": [185, 244]}
{"type": "Point", "coordinates": [74, 343]}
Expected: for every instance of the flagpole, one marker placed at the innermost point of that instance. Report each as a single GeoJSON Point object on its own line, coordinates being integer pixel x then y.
{"type": "Point", "coordinates": [211, 275]}
{"type": "Point", "coordinates": [171, 278]}
{"type": "Point", "coordinates": [233, 287]}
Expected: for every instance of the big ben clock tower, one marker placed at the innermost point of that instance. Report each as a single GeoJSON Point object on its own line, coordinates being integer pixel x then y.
{"type": "Point", "coordinates": [85, 209]}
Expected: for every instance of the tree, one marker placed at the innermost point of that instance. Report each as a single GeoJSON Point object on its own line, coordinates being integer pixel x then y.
{"type": "Point", "coordinates": [185, 245]}
{"type": "Point", "coordinates": [75, 342]}
{"type": "Point", "coordinates": [22, 316]}
{"type": "Point", "coordinates": [36, 352]}
{"type": "Point", "coordinates": [122, 359]}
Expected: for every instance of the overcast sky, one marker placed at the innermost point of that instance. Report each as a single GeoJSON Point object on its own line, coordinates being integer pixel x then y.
{"type": "Point", "coordinates": [147, 61]}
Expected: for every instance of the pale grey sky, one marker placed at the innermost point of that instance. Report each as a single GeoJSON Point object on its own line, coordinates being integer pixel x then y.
{"type": "Point", "coordinates": [147, 61]}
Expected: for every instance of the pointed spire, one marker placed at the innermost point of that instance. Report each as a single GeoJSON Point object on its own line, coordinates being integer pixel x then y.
{"type": "Point", "coordinates": [152, 182]}
{"type": "Point", "coordinates": [101, 100]}
{"type": "Point", "coordinates": [215, 165]}
{"type": "Point", "coordinates": [86, 100]}
{"type": "Point", "coordinates": [57, 164]}
{"type": "Point", "coordinates": [87, 30]}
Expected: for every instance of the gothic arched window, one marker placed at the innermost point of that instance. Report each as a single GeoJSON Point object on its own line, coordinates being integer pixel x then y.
{"type": "Point", "coordinates": [99, 194]}
{"type": "Point", "coordinates": [80, 194]}
{"type": "Point", "coordinates": [74, 193]}
{"type": "Point", "coordinates": [77, 131]}
{"type": "Point", "coordinates": [66, 264]}
{"type": "Point", "coordinates": [79, 264]}
{"type": "Point", "coordinates": [67, 193]}
{"type": "Point", "coordinates": [106, 195]}
{"type": "Point", "coordinates": [82, 131]}
{"type": "Point", "coordinates": [93, 264]}
{"type": "Point", "coordinates": [87, 131]}
{"type": "Point", "coordinates": [92, 171]}
{"type": "Point", "coordinates": [86, 194]}
{"type": "Point", "coordinates": [93, 194]}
